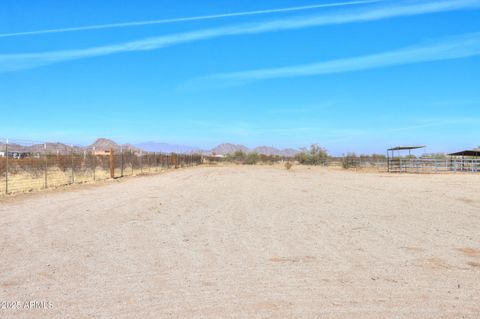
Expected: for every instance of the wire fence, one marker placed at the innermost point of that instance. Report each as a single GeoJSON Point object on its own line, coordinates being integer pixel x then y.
{"type": "Point", "coordinates": [27, 166]}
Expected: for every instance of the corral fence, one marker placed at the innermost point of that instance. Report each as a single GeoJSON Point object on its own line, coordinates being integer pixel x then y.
{"type": "Point", "coordinates": [431, 165]}
{"type": "Point", "coordinates": [408, 165]}
{"type": "Point", "coordinates": [29, 166]}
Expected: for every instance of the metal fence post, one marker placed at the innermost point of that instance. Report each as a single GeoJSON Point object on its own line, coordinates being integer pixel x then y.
{"type": "Point", "coordinates": [46, 165]}
{"type": "Point", "coordinates": [73, 172]}
{"type": "Point", "coordinates": [148, 161]}
{"type": "Point", "coordinates": [94, 162]}
{"type": "Point", "coordinates": [6, 168]}
{"type": "Point", "coordinates": [112, 164]}
{"type": "Point", "coordinates": [121, 162]}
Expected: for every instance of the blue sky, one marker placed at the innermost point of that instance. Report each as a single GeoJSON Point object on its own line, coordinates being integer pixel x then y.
{"type": "Point", "coordinates": [352, 77]}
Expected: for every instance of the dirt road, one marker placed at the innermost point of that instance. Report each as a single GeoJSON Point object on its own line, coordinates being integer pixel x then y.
{"type": "Point", "coordinates": [246, 242]}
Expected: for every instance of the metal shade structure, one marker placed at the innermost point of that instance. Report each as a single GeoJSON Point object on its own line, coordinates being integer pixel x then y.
{"type": "Point", "coordinates": [468, 153]}
{"type": "Point", "coordinates": [405, 148]}
{"type": "Point", "coordinates": [392, 162]}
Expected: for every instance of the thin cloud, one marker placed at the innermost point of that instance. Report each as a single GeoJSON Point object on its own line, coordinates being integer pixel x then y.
{"type": "Point", "coordinates": [186, 19]}
{"type": "Point", "coordinates": [12, 62]}
{"type": "Point", "coordinates": [463, 46]}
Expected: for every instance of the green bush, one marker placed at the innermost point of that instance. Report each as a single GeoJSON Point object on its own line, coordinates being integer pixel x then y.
{"type": "Point", "coordinates": [237, 157]}
{"type": "Point", "coordinates": [316, 155]}
{"type": "Point", "coordinates": [251, 158]}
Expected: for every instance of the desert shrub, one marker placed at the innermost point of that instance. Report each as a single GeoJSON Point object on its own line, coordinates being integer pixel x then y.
{"type": "Point", "coordinates": [3, 165]}
{"type": "Point", "coordinates": [350, 160]}
{"type": "Point", "coordinates": [241, 157]}
{"type": "Point", "coordinates": [32, 166]}
{"type": "Point", "coordinates": [288, 165]}
{"type": "Point", "coordinates": [316, 155]}
{"type": "Point", "coordinates": [238, 157]}
{"type": "Point", "coordinates": [251, 158]}
{"type": "Point", "coordinates": [373, 157]}
{"type": "Point", "coordinates": [62, 162]}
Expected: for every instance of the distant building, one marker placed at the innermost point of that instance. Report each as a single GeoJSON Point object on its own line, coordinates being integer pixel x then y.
{"type": "Point", "coordinates": [16, 154]}
{"type": "Point", "coordinates": [102, 153]}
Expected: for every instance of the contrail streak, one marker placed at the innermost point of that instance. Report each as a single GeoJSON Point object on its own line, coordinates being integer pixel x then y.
{"type": "Point", "coordinates": [463, 46]}
{"type": "Point", "coordinates": [175, 20]}
{"type": "Point", "coordinates": [19, 61]}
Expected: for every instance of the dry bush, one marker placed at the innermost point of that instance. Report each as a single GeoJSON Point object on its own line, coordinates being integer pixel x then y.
{"type": "Point", "coordinates": [350, 161]}
{"type": "Point", "coordinates": [251, 159]}
{"type": "Point", "coordinates": [3, 165]}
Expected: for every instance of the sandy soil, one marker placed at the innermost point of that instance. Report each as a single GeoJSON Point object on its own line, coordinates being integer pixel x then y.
{"type": "Point", "coordinates": [246, 242]}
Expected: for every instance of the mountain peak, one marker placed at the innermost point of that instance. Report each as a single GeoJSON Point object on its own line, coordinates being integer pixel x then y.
{"type": "Point", "coordinates": [104, 144]}
{"type": "Point", "coordinates": [227, 148]}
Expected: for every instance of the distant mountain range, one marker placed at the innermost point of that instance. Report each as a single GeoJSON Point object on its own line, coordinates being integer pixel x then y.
{"type": "Point", "coordinates": [168, 148]}
{"type": "Point", "coordinates": [228, 148]}
{"type": "Point", "coordinates": [105, 144]}
{"type": "Point", "coordinates": [102, 144]}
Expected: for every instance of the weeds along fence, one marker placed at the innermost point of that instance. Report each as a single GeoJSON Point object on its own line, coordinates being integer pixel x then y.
{"type": "Point", "coordinates": [348, 162]}
{"type": "Point", "coordinates": [29, 166]}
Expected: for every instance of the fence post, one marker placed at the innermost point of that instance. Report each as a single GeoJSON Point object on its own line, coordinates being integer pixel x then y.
{"type": "Point", "coordinates": [6, 168]}
{"type": "Point", "coordinates": [94, 162]}
{"type": "Point", "coordinates": [121, 162]}
{"type": "Point", "coordinates": [112, 167]}
{"type": "Point", "coordinates": [46, 164]}
{"type": "Point", "coordinates": [73, 173]}
{"type": "Point", "coordinates": [149, 164]}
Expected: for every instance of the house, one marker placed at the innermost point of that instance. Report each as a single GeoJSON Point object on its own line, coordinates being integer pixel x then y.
{"type": "Point", "coordinates": [16, 154]}
{"type": "Point", "coordinates": [101, 152]}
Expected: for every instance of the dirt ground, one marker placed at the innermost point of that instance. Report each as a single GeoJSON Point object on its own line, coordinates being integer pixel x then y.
{"type": "Point", "coordinates": [245, 242]}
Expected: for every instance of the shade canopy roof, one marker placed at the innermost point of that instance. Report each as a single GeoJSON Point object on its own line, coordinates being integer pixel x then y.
{"type": "Point", "coordinates": [405, 148]}
{"type": "Point", "coordinates": [466, 153]}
